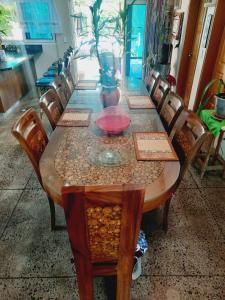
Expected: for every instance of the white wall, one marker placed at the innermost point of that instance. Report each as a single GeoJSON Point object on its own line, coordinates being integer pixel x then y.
{"type": "Point", "coordinates": [52, 50]}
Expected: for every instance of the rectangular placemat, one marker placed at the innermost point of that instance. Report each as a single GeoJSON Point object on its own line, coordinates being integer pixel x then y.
{"type": "Point", "coordinates": [73, 117]}
{"type": "Point", "coordinates": [137, 102]}
{"type": "Point", "coordinates": [86, 85]}
{"type": "Point", "coordinates": [153, 146]}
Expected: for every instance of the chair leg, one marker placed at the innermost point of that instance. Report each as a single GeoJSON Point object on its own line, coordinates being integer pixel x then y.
{"type": "Point", "coordinates": [204, 166]}
{"type": "Point", "coordinates": [52, 212]}
{"type": "Point", "coordinates": [165, 214]}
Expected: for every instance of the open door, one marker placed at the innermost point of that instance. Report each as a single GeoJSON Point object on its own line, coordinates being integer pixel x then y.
{"type": "Point", "coordinates": [135, 40]}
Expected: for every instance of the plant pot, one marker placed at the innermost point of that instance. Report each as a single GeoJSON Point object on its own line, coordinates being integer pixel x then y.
{"type": "Point", "coordinates": [220, 105]}
{"type": "Point", "coordinates": [109, 96]}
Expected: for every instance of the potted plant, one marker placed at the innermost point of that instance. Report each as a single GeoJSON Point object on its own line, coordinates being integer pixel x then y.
{"type": "Point", "coordinates": [5, 26]}
{"type": "Point", "coordinates": [220, 99]}
{"type": "Point", "coordinates": [110, 30]}
{"type": "Point", "coordinates": [206, 97]}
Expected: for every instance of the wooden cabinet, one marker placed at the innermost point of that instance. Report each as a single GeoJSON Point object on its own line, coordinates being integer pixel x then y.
{"type": "Point", "coordinates": [13, 82]}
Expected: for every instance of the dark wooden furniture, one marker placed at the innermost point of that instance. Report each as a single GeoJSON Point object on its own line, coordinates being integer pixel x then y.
{"type": "Point", "coordinates": [67, 157]}
{"type": "Point", "coordinates": [151, 81]}
{"type": "Point", "coordinates": [171, 109]}
{"type": "Point", "coordinates": [103, 228]}
{"type": "Point", "coordinates": [69, 80]}
{"type": "Point", "coordinates": [59, 87]}
{"type": "Point", "coordinates": [51, 105]}
{"type": "Point", "coordinates": [14, 80]}
{"type": "Point", "coordinates": [188, 136]}
{"type": "Point", "coordinates": [161, 91]}
{"type": "Point", "coordinates": [31, 135]}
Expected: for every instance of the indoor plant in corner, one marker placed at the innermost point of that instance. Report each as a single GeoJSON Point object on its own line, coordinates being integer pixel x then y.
{"type": "Point", "coordinates": [220, 97]}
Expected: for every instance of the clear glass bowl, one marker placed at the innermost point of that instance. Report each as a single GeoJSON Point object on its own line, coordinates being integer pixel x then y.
{"type": "Point", "coordinates": [109, 155]}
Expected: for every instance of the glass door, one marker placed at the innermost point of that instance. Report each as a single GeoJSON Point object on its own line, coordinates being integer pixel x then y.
{"type": "Point", "coordinates": [135, 40]}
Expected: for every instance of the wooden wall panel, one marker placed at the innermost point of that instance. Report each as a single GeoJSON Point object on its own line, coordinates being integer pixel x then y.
{"type": "Point", "coordinates": [219, 70]}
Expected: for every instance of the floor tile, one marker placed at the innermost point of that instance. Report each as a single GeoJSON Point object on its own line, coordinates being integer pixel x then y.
{"type": "Point", "coordinates": [15, 167]}
{"type": "Point", "coordinates": [210, 179]}
{"type": "Point", "coordinates": [178, 288]}
{"type": "Point", "coordinates": [8, 201]}
{"type": "Point", "coordinates": [33, 182]}
{"type": "Point", "coordinates": [188, 182]}
{"type": "Point", "coordinates": [46, 289]}
{"type": "Point", "coordinates": [215, 201]}
{"type": "Point", "coordinates": [28, 247]}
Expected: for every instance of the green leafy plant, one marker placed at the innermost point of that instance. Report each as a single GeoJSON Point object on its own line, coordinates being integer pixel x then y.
{"type": "Point", "coordinates": [206, 96]}
{"type": "Point", "coordinates": [5, 20]}
{"type": "Point", "coordinates": [111, 27]}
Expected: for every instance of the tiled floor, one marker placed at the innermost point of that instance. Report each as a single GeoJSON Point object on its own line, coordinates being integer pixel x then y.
{"type": "Point", "coordinates": [186, 263]}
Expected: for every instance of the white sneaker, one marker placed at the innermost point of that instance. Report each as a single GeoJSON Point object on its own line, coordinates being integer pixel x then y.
{"type": "Point", "coordinates": [137, 268]}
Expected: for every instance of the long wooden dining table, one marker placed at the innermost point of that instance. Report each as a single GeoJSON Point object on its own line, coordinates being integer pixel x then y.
{"type": "Point", "coordinates": [69, 156]}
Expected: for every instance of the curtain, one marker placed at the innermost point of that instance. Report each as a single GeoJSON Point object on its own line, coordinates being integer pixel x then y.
{"type": "Point", "coordinates": [40, 18]}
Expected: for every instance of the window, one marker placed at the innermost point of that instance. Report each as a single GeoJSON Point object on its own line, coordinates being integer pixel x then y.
{"type": "Point", "coordinates": [10, 28]}
{"type": "Point", "coordinates": [37, 20]}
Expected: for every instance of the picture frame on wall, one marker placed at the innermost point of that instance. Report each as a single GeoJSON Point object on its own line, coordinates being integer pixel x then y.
{"type": "Point", "coordinates": [177, 25]}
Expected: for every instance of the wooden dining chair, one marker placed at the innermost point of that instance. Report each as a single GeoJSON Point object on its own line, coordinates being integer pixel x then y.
{"type": "Point", "coordinates": [103, 229]}
{"type": "Point", "coordinates": [171, 109]}
{"type": "Point", "coordinates": [151, 81]}
{"type": "Point", "coordinates": [51, 105]}
{"type": "Point", "coordinates": [69, 80]}
{"type": "Point", "coordinates": [66, 88]}
{"type": "Point", "coordinates": [161, 91]}
{"type": "Point", "coordinates": [29, 132]}
{"type": "Point", "coordinates": [60, 92]}
{"type": "Point", "coordinates": [188, 135]}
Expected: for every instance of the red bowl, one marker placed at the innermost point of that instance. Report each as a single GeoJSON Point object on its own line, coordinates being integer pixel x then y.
{"type": "Point", "coordinates": [113, 120]}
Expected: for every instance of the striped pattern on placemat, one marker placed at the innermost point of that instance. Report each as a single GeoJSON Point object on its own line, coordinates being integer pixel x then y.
{"type": "Point", "coordinates": [73, 117]}
{"type": "Point", "coordinates": [137, 102]}
{"type": "Point", "coordinates": [153, 146]}
{"type": "Point", "coordinates": [86, 85]}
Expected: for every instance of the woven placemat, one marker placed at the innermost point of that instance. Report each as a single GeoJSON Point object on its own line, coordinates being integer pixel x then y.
{"type": "Point", "coordinates": [73, 117]}
{"type": "Point", "coordinates": [137, 102]}
{"type": "Point", "coordinates": [86, 85]}
{"type": "Point", "coordinates": [153, 146]}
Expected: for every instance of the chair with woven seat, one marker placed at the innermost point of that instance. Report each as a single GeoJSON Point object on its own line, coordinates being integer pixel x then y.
{"type": "Point", "coordinates": [29, 132]}
{"type": "Point", "coordinates": [188, 135]}
{"type": "Point", "coordinates": [161, 91]}
{"type": "Point", "coordinates": [151, 81]}
{"type": "Point", "coordinates": [171, 109]}
{"type": "Point", "coordinates": [103, 229]}
{"type": "Point", "coordinates": [51, 105]}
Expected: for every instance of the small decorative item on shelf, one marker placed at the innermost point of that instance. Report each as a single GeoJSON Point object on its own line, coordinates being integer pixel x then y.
{"type": "Point", "coordinates": [113, 120]}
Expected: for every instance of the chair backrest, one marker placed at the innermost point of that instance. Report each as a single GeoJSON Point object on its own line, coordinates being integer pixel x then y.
{"type": "Point", "coordinates": [69, 80]}
{"type": "Point", "coordinates": [171, 109]}
{"type": "Point", "coordinates": [188, 135]}
{"type": "Point", "coordinates": [66, 85]}
{"type": "Point", "coordinates": [161, 91]}
{"type": "Point", "coordinates": [151, 81]}
{"type": "Point", "coordinates": [32, 137]}
{"type": "Point", "coordinates": [51, 105]}
{"type": "Point", "coordinates": [62, 96]}
{"type": "Point", "coordinates": [103, 229]}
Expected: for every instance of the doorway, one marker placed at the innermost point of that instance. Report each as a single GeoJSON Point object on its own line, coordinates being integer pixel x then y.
{"type": "Point", "coordinates": [201, 54]}
{"type": "Point", "coordinates": [135, 40]}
